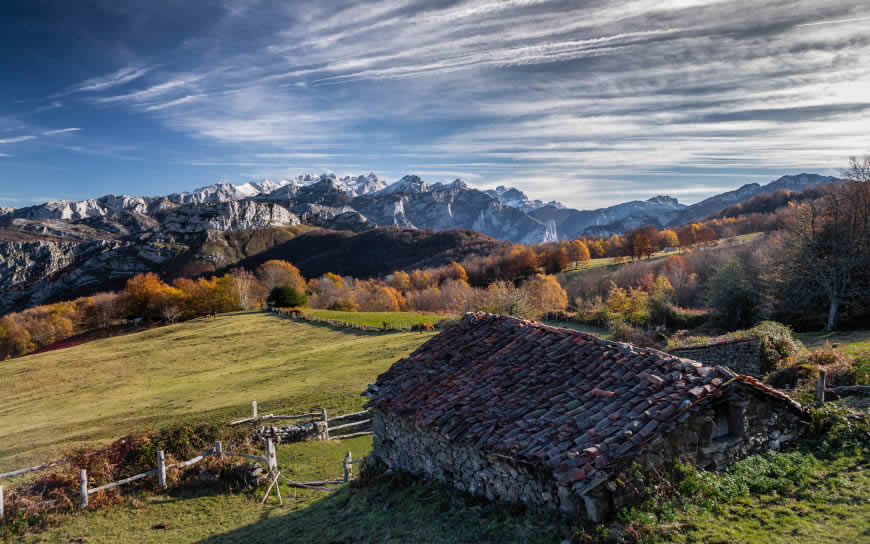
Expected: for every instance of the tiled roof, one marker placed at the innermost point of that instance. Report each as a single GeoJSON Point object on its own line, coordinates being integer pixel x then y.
{"type": "Point", "coordinates": [559, 399]}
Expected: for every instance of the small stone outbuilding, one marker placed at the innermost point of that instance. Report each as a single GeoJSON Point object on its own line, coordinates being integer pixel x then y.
{"type": "Point", "coordinates": [523, 412]}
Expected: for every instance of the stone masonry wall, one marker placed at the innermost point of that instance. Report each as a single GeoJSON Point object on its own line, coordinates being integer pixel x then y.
{"type": "Point", "coordinates": [755, 423]}
{"type": "Point", "coordinates": [403, 446]}
{"type": "Point", "coordinates": [743, 355]}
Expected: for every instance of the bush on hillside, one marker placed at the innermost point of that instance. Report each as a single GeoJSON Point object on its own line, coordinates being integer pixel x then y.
{"type": "Point", "coordinates": [287, 297]}
{"type": "Point", "coordinates": [731, 294]}
{"type": "Point", "coordinates": [777, 343]}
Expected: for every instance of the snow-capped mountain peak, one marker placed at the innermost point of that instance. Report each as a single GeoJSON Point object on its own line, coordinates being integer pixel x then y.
{"type": "Point", "coordinates": [510, 196]}
{"type": "Point", "coordinates": [408, 184]}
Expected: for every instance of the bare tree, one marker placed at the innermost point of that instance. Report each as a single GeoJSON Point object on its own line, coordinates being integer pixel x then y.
{"type": "Point", "coordinates": [105, 307]}
{"type": "Point", "coordinates": [827, 254]}
{"type": "Point", "coordinates": [244, 283]}
{"type": "Point", "coordinates": [170, 313]}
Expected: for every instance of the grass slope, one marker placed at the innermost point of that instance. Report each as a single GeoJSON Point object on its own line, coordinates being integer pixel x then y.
{"type": "Point", "coordinates": [192, 371]}
{"type": "Point", "coordinates": [854, 343]}
{"type": "Point", "coordinates": [409, 512]}
{"type": "Point", "coordinates": [398, 320]}
{"type": "Point", "coordinates": [614, 263]}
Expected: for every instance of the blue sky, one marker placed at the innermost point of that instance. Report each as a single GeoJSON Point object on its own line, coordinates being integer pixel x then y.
{"type": "Point", "coordinates": [591, 103]}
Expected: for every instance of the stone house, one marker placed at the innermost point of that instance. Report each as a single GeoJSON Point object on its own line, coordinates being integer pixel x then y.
{"type": "Point", "coordinates": [523, 412]}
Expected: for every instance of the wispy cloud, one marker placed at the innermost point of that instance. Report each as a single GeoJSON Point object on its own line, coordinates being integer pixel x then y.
{"type": "Point", "coordinates": [149, 93]}
{"type": "Point", "coordinates": [60, 131]}
{"type": "Point", "coordinates": [109, 81]}
{"type": "Point", "coordinates": [55, 104]}
{"type": "Point", "coordinates": [16, 139]}
{"type": "Point", "coordinates": [837, 22]}
{"type": "Point", "coordinates": [177, 102]}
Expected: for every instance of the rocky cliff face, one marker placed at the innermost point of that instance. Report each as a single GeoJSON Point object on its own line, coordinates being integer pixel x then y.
{"type": "Point", "coordinates": [227, 216]}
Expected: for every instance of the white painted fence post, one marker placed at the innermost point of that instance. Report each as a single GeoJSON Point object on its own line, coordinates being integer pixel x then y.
{"type": "Point", "coordinates": [84, 488]}
{"type": "Point", "coordinates": [270, 455]}
{"type": "Point", "coordinates": [348, 466]}
{"type": "Point", "coordinates": [2, 507]}
{"type": "Point", "coordinates": [325, 424]}
{"type": "Point", "coordinates": [161, 469]}
{"type": "Point", "coordinates": [254, 409]}
{"type": "Point", "coordinates": [218, 449]}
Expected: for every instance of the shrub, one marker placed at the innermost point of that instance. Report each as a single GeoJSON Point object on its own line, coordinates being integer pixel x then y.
{"type": "Point", "coordinates": [836, 364]}
{"type": "Point", "coordinates": [287, 297]}
{"type": "Point", "coordinates": [862, 370]}
{"type": "Point", "coordinates": [777, 343]}
{"type": "Point", "coordinates": [625, 332]}
{"type": "Point", "coordinates": [836, 430]}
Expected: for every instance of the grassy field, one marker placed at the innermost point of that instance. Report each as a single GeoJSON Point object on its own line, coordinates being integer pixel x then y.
{"type": "Point", "coordinates": [616, 262]}
{"type": "Point", "coordinates": [397, 320]}
{"type": "Point", "coordinates": [213, 369]}
{"type": "Point", "coordinates": [391, 512]}
{"type": "Point", "coordinates": [202, 369]}
{"type": "Point", "coordinates": [854, 343]}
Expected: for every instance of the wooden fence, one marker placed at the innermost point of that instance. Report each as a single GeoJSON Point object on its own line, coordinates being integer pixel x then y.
{"type": "Point", "coordinates": [270, 461]}
{"type": "Point", "coordinates": [320, 418]}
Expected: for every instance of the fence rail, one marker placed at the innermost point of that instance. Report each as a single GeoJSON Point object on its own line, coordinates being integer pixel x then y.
{"type": "Point", "coordinates": [322, 432]}
{"type": "Point", "coordinates": [51, 464]}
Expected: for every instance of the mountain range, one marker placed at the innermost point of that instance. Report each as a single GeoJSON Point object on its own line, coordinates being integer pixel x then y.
{"type": "Point", "coordinates": [63, 248]}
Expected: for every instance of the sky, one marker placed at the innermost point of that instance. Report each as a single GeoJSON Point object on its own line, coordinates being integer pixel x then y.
{"type": "Point", "coordinates": [588, 102]}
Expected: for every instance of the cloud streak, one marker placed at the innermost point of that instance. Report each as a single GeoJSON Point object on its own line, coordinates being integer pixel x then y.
{"type": "Point", "coordinates": [60, 131]}
{"type": "Point", "coordinates": [552, 95]}
{"type": "Point", "coordinates": [16, 139]}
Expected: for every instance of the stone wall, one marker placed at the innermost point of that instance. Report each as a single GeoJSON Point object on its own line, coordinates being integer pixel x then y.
{"type": "Point", "coordinates": [405, 447]}
{"type": "Point", "coordinates": [743, 355]}
{"type": "Point", "coordinates": [712, 436]}
{"type": "Point", "coordinates": [297, 432]}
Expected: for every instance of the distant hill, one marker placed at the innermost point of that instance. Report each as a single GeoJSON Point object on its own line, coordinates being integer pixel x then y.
{"type": "Point", "coordinates": [375, 252]}
{"type": "Point", "coordinates": [717, 203]}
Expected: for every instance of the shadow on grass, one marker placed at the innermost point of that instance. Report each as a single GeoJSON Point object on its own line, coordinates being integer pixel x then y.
{"type": "Point", "coordinates": [400, 510]}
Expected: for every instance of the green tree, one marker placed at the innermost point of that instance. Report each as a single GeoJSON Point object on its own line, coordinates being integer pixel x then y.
{"type": "Point", "coordinates": [285, 296]}
{"type": "Point", "coordinates": [732, 296]}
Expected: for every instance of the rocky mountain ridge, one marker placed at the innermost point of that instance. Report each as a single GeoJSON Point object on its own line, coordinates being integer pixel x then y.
{"type": "Point", "coordinates": [61, 248]}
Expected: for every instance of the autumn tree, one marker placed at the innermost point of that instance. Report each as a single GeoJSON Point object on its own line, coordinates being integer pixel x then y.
{"type": "Point", "coordinates": [14, 339]}
{"type": "Point", "coordinates": [578, 251]}
{"type": "Point", "coordinates": [276, 273]}
{"type": "Point", "coordinates": [455, 271]}
{"type": "Point", "coordinates": [670, 238]}
{"type": "Point", "coordinates": [400, 280]}
{"type": "Point", "coordinates": [545, 294]}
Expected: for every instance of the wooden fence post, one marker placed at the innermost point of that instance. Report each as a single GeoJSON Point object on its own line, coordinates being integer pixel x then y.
{"type": "Point", "coordinates": [2, 507]}
{"type": "Point", "coordinates": [161, 469]}
{"type": "Point", "coordinates": [325, 424]}
{"type": "Point", "coordinates": [254, 409]}
{"type": "Point", "coordinates": [218, 448]}
{"type": "Point", "coordinates": [348, 466]}
{"type": "Point", "coordinates": [820, 387]}
{"type": "Point", "coordinates": [84, 488]}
